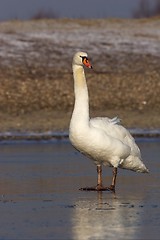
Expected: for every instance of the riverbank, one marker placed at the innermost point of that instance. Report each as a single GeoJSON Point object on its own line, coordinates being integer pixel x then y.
{"type": "Point", "coordinates": [36, 91]}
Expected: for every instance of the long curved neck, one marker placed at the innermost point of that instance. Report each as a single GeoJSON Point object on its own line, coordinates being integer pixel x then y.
{"type": "Point", "coordinates": [81, 107]}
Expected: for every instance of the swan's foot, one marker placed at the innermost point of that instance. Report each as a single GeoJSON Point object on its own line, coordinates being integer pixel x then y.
{"type": "Point", "coordinates": [97, 188]}
{"type": "Point", "coordinates": [112, 188]}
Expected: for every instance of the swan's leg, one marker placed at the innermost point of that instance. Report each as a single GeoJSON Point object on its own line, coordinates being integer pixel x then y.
{"type": "Point", "coordinates": [112, 187]}
{"type": "Point", "coordinates": [99, 186]}
{"type": "Point", "coordinates": [99, 177]}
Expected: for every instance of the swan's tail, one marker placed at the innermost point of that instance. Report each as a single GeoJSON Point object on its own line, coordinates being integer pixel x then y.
{"type": "Point", "coordinates": [135, 164]}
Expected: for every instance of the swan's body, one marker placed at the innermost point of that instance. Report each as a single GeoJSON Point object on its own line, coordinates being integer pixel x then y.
{"type": "Point", "coordinates": [104, 140]}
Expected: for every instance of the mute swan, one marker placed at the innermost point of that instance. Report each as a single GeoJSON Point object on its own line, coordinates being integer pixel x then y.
{"type": "Point", "coordinates": [103, 140]}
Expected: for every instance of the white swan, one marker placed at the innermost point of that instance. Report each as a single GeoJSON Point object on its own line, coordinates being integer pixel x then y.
{"type": "Point", "coordinates": [103, 140]}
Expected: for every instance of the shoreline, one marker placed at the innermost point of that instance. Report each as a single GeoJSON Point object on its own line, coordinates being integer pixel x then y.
{"type": "Point", "coordinates": [55, 135]}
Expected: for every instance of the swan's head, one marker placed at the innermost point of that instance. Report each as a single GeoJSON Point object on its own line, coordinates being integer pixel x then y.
{"type": "Point", "coordinates": [80, 59]}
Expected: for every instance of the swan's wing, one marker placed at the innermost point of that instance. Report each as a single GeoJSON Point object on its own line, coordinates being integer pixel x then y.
{"type": "Point", "coordinates": [101, 122]}
{"type": "Point", "coordinates": [106, 124]}
{"type": "Point", "coordinates": [117, 131]}
{"type": "Point", "coordinates": [115, 120]}
{"type": "Point", "coordinates": [112, 128]}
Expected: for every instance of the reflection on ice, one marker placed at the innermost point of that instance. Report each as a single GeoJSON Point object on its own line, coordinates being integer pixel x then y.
{"type": "Point", "coordinates": [103, 218]}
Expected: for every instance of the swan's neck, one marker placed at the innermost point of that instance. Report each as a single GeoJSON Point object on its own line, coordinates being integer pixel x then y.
{"type": "Point", "coordinates": [81, 107]}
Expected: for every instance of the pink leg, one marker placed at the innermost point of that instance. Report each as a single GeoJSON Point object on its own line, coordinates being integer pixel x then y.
{"type": "Point", "coordinates": [99, 186]}
{"type": "Point", "coordinates": [113, 185]}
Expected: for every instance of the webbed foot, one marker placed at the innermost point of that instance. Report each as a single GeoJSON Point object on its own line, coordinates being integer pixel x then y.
{"type": "Point", "coordinates": [97, 188]}
{"type": "Point", "coordinates": [112, 188]}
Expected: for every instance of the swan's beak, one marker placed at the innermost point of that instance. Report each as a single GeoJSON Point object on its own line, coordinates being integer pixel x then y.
{"type": "Point", "coordinates": [87, 63]}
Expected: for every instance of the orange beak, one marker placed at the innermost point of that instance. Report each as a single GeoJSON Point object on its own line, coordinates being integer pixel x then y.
{"type": "Point", "coordinates": [87, 63]}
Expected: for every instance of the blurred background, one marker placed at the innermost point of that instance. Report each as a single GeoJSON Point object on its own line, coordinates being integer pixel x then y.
{"type": "Point", "coordinates": [22, 9]}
